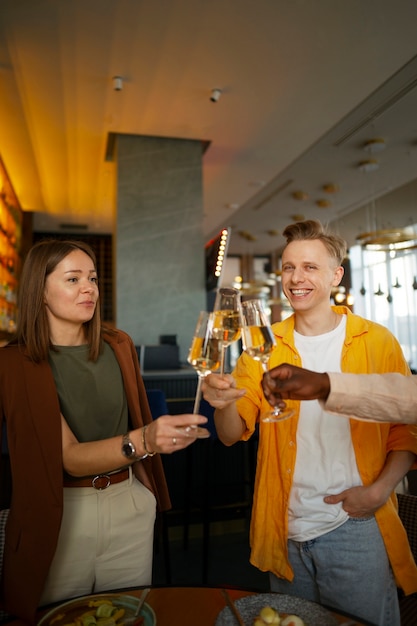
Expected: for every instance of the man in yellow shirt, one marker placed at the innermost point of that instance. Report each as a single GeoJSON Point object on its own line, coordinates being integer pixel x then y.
{"type": "Point", "coordinates": [324, 520]}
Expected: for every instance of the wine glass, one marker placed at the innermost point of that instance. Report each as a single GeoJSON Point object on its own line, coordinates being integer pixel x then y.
{"type": "Point", "coordinates": [204, 353]}
{"type": "Point", "coordinates": [258, 342]}
{"type": "Point", "coordinates": [226, 324]}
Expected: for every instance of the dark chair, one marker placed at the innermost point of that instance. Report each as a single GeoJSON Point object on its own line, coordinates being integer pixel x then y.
{"type": "Point", "coordinates": [407, 509]}
{"type": "Point", "coordinates": [157, 402]}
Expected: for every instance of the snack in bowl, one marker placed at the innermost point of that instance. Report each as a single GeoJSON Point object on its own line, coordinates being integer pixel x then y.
{"type": "Point", "coordinates": [100, 610]}
{"type": "Point", "coordinates": [95, 613]}
{"type": "Point", "coordinates": [270, 616]}
{"type": "Point", "coordinates": [292, 620]}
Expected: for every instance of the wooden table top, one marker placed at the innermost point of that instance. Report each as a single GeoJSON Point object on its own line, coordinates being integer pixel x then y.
{"type": "Point", "coordinates": [195, 606]}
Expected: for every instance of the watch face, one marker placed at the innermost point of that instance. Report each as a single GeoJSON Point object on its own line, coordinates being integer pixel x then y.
{"type": "Point", "coordinates": [128, 449]}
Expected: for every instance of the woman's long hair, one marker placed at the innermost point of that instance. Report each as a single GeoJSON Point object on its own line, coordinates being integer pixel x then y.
{"type": "Point", "coordinates": [32, 328]}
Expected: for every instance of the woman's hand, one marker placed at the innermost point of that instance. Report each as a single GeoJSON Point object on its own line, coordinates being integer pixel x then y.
{"type": "Point", "coordinates": [170, 433]}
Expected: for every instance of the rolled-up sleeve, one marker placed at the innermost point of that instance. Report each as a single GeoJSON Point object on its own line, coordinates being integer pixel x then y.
{"type": "Point", "coordinates": [375, 397]}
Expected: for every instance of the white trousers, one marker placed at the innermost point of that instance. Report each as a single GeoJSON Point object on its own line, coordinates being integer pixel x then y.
{"type": "Point", "coordinates": [105, 541]}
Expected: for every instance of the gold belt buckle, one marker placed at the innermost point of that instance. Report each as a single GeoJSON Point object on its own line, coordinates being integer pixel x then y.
{"type": "Point", "coordinates": [96, 479]}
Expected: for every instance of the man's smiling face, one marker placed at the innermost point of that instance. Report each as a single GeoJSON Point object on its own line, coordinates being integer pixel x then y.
{"type": "Point", "coordinates": [308, 274]}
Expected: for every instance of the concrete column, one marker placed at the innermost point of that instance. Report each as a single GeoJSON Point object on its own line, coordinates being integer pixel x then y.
{"type": "Point", "coordinates": [159, 244]}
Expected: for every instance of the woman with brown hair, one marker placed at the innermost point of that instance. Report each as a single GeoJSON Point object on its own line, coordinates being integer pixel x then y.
{"type": "Point", "coordinates": [84, 451]}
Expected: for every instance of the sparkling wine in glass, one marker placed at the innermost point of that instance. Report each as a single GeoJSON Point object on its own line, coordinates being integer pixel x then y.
{"type": "Point", "coordinates": [204, 353]}
{"type": "Point", "coordinates": [258, 342]}
{"type": "Point", "coordinates": [226, 324]}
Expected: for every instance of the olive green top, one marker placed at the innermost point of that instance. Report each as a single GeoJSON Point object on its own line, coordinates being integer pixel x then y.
{"type": "Point", "coordinates": [91, 394]}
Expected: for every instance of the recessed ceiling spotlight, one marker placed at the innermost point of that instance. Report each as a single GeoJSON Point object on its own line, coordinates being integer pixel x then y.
{"type": "Point", "coordinates": [232, 205]}
{"type": "Point", "coordinates": [246, 235]}
{"type": "Point", "coordinates": [273, 232]}
{"type": "Point", "coordinates": [300, 195]}
{"type": "Point", "coordinates": [298, 217]}
{"type": "Point", "coordinates": [371, 165]}
{"type": "Point", "coordinates": [323, 203]}
{"type": "Point", "coordinates": [330, 188]}
{"type": "Point", "coordinates": [373, 146]}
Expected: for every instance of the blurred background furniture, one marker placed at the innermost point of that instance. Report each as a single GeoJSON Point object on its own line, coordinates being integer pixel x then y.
{"type": "Point", "coordinates": [412, 482]}
{"type": "Point", "coordinates": [407, 508]}
{"type": "Point", "coordinates": [209, 484]}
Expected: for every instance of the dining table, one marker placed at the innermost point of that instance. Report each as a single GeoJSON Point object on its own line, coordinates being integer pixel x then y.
{"type": "Point", "coordinates": [196, 606]}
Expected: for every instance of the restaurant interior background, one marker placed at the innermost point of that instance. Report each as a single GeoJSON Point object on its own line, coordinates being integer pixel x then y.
{"type": "Point", "coordinates": [149, 127]}
{"type": "Point", "coordinates": [267, 113]}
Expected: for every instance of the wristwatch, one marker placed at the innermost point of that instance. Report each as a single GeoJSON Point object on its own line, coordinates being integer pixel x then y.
{"type": "Point", "coordinates": [129, 450]}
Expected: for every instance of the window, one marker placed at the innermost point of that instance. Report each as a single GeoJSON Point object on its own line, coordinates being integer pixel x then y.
{"type": "Point", "coordinates": [384, 286]}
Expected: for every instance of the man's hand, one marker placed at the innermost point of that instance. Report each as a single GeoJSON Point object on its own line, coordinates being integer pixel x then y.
{"type": "Point", "coordinates": [295, 383]}
{"type": "Point", "coordinates": [359, 501]}
{"type": "Point", "coordinates": [220, 391]}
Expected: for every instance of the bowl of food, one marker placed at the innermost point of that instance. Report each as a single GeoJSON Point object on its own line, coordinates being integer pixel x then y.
{"type": "Point", "coordinates": [107, 609]}
{"type": "Point", "coordinates": [278, 608]}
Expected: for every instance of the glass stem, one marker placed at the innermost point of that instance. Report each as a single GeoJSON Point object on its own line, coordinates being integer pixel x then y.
{"type": "Point", "coordinates": [223, 358]}
{"type": "Point", "coordinates": [198, 394]}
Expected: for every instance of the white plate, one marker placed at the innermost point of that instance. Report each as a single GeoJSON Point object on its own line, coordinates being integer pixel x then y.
{"type": "Point", "coordinates": [66, 613]}
{"type": "Point", "coordinates": [249, 607]}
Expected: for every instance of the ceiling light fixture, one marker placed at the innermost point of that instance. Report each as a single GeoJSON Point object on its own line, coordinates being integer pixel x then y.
{"type": "Point", "coordinates": [388, 239]}
{"type": "Point", "coordinates": [117, 83]}
{"type": "Point", "coordinates": [370, 165]}
{"type": "Point", "coordinates": [374, 146]}
{"type": "Point", "coordinates": [215, 95]}
{"type": "Point", "coordinates": [300, 195]}
{"type": "Point", "coordinates": [246, 235]}
{"type": "Point", "coordinates": [323, 203]}
{"type": "Point", "coordinates": [330, 188]}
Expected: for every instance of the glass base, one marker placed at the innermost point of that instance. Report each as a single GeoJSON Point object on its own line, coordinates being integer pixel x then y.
{"type": "Point", "coordinates": [276, 415]}
{"type": "Point", "coordinates": [196, 431]}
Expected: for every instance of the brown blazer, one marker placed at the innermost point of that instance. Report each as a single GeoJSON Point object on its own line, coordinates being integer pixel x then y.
{"type": "Point", "coordinates": [29, 404]}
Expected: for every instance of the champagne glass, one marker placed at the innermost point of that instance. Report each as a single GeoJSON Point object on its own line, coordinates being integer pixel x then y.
{"type": "Point", "coordinates": [204, 353]}
{"type": "Point", "coordinates": [226, 325]}
{"type": "Point", "coordinates": [258, 342]}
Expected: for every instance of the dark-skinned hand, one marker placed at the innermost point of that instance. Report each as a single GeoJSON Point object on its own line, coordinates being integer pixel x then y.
{"type": "Point", "coordinates": [295, 383]}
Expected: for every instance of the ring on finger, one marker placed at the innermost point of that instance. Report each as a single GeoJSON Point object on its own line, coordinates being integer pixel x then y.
{"type": "Point", "coordinates": [174, 441]}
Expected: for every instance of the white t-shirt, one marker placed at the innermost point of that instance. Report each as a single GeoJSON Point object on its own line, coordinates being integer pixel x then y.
{"type": "Point", "coordinates": [326, 462]}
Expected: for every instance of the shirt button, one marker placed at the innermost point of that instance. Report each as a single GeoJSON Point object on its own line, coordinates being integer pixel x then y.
{"type": "Point", "coordinates": [291, 444]}
{"type": "Point", "coordinates": [288, 471]}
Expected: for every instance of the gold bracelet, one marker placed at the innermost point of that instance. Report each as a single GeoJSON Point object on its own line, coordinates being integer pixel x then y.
{"type": "Point", "coordinates": [144, 442]}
